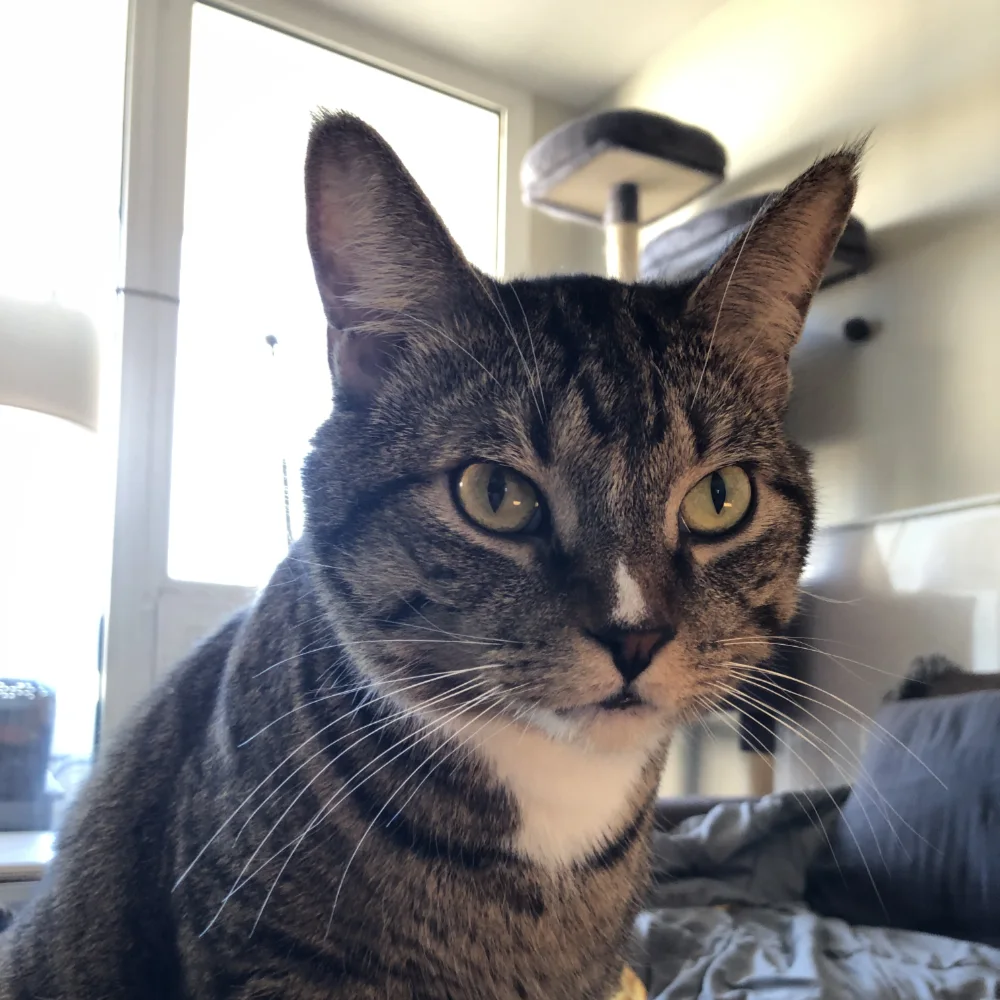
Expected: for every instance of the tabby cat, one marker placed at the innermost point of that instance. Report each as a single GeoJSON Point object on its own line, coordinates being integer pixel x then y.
{"type": "Point", "coordinates": [423, 764]}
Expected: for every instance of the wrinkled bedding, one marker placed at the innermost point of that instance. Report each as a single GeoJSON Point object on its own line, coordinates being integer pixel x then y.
{"type": "Point", "coordinates": [725, 919]}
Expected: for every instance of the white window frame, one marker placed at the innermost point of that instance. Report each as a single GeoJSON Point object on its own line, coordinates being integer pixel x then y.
{"type": "Point", "coordinates": [152, 619]}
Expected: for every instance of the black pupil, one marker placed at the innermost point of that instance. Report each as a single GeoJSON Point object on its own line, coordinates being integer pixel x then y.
{"type": "Point", "coordinates": [717, 487]}
{"type": "Point", "coordinates": [496, 488]}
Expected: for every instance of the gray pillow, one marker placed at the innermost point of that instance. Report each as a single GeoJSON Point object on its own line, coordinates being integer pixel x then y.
{"type": "Point", "coordinates": [915, 849]}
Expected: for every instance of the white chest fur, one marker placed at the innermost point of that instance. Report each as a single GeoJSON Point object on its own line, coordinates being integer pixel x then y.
{"type": "Point", "coordinates": [572, 799]}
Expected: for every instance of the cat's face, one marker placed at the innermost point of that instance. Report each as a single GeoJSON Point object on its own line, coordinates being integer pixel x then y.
{"type": "Point", "coordinates": [568, 502]}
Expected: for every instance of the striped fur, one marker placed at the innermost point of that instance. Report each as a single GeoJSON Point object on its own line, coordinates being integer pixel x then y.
{"type": "Point", "coordinates": [390, 778]}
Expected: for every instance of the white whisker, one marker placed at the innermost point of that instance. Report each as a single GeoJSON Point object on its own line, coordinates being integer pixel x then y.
{"type": "Point", "coordinates": [854, 708]}
{"type": "Point", "coordinates": [240, 880]}
{"type": "Point", "coordinates": [385, 805]}
{"type": "Point", "coordinates": [722, 302]}
{"type": "Point", "coordinates": [828, 600]}
{"type": "Point", "coordinates": [791, 642]}
{"type": "Point", "coordinates": [369, 685]}
{"type": "Point", "coordinates": [814, 817]}
{"type": "Point", "coordinates": [505, 318]}
{"type": "Point", "coordinates": [531, 342]}
{"type": "Point", "coordinates": [854, 760]}
{"type": "Point", "coordinates": [382, 724]}
{"type": "Point", "coordinates": [805, 764]}
{"type": "Point", "coordinates": [339, 796]}
{"type": "Point", "coordinates": [489, 640]}
{"type": "Point", "coordinates": [826, 749]}
{"type": "Point", "coordinates": [377, 642]}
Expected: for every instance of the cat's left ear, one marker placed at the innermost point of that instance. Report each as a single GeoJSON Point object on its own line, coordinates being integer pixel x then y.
{"type": "Point", "coordinates": [754, 300]}
{"type": "Point", "coordinates": [385, 264]}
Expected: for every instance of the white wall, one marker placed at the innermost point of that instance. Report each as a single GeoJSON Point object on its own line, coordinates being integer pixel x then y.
{"type": "Point", "coordinates": [892, 591]}
{"type": "Point", "coordinates": [906, 427]}
{"type": "Point", "coordinates": [779, 81]}
{"type": "Point", "coordinates": [772, 77]}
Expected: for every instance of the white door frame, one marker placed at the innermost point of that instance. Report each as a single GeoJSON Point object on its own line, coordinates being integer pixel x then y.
{"type": "Point", "coordinates": [153, 620]}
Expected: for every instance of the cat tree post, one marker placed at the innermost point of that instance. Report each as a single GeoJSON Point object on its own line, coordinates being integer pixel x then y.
{"type": "Point", "coordinates": [621, 170]}
{"type": "Point", "coordinates": [760, 773]}
{"type": "Point", "coordinates": [621, 232]}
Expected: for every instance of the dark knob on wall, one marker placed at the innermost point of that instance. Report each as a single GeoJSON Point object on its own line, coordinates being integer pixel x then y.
{"type": "Point", "coordinates": [858, 330]}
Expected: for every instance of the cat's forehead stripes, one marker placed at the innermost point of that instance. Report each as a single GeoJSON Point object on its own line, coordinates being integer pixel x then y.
{"type": "Point", "coordinates": [615, 376]}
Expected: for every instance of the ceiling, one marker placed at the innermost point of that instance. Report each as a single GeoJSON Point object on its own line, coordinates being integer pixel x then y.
{"type": "Point", "coordinates": [574, 53]}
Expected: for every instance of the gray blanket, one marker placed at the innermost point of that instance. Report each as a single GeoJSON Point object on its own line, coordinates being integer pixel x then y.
{"type": "Point", "coordinates": [726, 920]}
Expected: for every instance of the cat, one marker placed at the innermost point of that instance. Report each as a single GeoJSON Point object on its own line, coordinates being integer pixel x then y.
{"type": "Point", "coordinates": [543, 519]}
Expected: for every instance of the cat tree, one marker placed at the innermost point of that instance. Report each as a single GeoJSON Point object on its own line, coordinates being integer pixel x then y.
{"type": "Point", "coordinates": [621, 170]}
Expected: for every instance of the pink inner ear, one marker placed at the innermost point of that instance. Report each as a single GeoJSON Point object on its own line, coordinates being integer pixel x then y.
{"type": "Point", "coordinates": [359, 361]}
{"type": "Point", "coordinates": [757, 295]}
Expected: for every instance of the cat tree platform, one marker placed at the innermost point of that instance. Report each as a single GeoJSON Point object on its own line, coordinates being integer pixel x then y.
{"type": "Point", "coordinates": [620, 169]}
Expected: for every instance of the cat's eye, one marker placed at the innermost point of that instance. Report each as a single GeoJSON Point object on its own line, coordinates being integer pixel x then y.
{"type": "Point", "coordinates": [498, 499]}
{"type": "Point", "coordinates": [718, 503]}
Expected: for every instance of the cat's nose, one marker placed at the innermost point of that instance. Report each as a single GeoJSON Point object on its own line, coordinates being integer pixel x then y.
{"type": "Point", "coordinates": [631, 651]}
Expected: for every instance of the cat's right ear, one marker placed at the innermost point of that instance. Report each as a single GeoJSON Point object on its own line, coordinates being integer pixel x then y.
{"type": "Point", "coordinates": [385, 265]}
{"type": "Point", "coordinates": [755, 298]}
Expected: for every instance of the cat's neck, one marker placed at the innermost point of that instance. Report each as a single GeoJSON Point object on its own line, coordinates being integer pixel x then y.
{"type": "Point", "coordinates": [573, 801]}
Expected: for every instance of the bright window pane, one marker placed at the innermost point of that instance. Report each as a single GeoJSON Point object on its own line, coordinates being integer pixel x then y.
{"type": "Point", "coordinates": [62, 72]}
{"type": "Point", "coordinates": [241, 411]}
{"type": "Point", "coordinates": [53, 592]}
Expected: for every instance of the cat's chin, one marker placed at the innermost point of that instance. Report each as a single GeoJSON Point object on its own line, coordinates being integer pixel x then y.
{"type": "Point", "coordinates": [612, 726]}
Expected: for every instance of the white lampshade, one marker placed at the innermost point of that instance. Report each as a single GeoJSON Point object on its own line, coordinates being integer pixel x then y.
{"type": "Point", "coordinates": [49, 360]}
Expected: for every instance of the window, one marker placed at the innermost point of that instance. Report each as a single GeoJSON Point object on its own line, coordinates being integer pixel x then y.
{"type": "Point", "coordinates": [202, 238]}
{"type": "Point", "coordinates": [53, 594]}
{"type": "Point", "coordinates": [215, 262]}
{"type": "Point", "coordinates": [62, 72]}
{"type": "Point", "coordinates": [244, 409]}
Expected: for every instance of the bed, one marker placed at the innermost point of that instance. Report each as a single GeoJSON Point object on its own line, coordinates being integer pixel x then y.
{"type": "Point", "coordinates": [890, 889]}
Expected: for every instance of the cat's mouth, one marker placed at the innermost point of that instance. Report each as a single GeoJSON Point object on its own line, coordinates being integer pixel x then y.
{"type": "Point", "coordinates": [626, 699]}
{"type": "Point", "coordinates": [623, 700]}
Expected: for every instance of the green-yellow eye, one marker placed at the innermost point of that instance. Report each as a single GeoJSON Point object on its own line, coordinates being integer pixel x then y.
{"type": "Point", "coordinates": [498, 499]}
{"type": "Point", "coordinates": [718, 502]}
